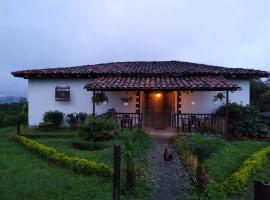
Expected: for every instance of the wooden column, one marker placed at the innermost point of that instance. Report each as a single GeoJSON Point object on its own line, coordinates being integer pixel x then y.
{"type": "Point", "coordinates": [116, 174]}
{"type": "Point", "coordinates": [138, 102]}
{"type": "Point", "coordinates": [94, 103]}
{"type": "Point", "coordinates": [227, 112]}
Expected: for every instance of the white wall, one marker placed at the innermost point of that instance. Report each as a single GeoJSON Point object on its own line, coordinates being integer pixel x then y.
{"type": "Point", "coordinates": [204, 99]}
{"type": "Point", "coordinates": [41, 96]}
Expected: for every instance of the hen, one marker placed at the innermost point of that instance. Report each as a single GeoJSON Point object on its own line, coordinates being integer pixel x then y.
{"type": "Point", "coordinates": [166, 155]}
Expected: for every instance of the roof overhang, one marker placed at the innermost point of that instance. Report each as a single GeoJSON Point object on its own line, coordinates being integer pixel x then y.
{"type": "Point", "coordinates": [196, 83]}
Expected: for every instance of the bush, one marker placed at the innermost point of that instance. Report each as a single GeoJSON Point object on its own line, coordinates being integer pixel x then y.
{"type": "Point", "coordinates": [90, 146]}
{"type": "Point", "coordinates": [71, 119]}
{"type": "Point", "coordinates": [82, 117]}
{"type": "Point", "coordinates": [243, 120]}
{"type": "Point", "coordinates": [53, 117]}
{"type": "Point", "coordinates": [97, 129]}
{"type": "Point", "coordinates": [236, 183]}
{"type": "Point", "coordinates": [80, 165]}
{"type": "Point", "coordinates": [135, 144]}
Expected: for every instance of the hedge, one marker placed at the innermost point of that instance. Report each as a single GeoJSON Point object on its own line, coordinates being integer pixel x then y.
{"type": "Point", "coordinates": [80, 165]}
{"type": "Point", "coordinates": [236, 183]}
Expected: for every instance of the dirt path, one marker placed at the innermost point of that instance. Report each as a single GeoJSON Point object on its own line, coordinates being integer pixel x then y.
{"type": "Point", "coordinates": [170, 179]}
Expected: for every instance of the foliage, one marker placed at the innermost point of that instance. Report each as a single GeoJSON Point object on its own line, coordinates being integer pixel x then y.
{"type": "Point", "coordinates": [53, 117]}
{"type": "Point", "coordinates": [24, 176]}
{"type": "Point", "coordinates": [258, 92]}
{"type": "Point", "coordinates": [219, 97]}
{"type": "Point", "coordinates": [110, 113]}
{"type": "Point", "coordinates": [81, 117]}
{"type": "Point", "coordinates": [14, 113]}
{"type": "Point", "coordinates": [91, 146]}
{"type": "Point", "coordinates": [77, 164]}
{"type": "Point", "coordinates": [202, 147]}
{"type": "Point", "coordinates": [243, 120]}
{"type": "Point", "coordinates": [235, 183]}
{"type": "Point", "coordinates": [185, 153]}
{"type": "Point", "coordinates": [99, 98]}
{"type": "Point", "coordinates": [135, 144]}
{"type": "Point", "coordinates": [71, 119]}
{"type": "Point", "coordinates": [97, 129]}
{"type": "Point", "coordinates": [265, 101]}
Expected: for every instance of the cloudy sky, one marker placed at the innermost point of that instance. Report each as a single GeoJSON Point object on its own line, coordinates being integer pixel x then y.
{"type": "Point", "coordinates": [38, 34]}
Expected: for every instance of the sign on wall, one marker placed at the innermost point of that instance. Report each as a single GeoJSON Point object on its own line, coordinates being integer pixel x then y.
{"type": "Point", "coordinates": [62, 93]}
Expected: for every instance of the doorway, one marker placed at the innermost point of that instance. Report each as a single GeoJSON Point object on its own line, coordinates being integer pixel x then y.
{"type": "Point", "coordinates": [158, 108]}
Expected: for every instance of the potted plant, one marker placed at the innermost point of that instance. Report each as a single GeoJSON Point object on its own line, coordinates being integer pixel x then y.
{"type": "Point", "coordinates": [100, 98]}
{"type": "Point", "coordinates": [219, 97]}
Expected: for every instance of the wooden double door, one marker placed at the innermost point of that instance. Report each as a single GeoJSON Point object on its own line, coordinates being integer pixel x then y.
{"type": "Point", "coordinates": [158, 108]}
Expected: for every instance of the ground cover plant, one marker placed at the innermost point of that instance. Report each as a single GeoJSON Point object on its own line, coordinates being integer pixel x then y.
{"type": "Point", "coordinates": [24, 175]}
{"type": "Point", "coordinates": [221, 160]}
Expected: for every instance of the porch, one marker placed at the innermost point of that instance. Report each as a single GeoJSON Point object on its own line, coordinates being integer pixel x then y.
{"type": "Point", "coordinates": [180, 103]}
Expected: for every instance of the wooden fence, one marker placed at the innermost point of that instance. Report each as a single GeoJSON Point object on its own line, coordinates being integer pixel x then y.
{"type": "Point", "coordinates": [206, 123]}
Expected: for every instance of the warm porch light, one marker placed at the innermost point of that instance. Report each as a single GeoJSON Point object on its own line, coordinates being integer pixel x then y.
{"type": "Point", "coordinates": [158, 94]}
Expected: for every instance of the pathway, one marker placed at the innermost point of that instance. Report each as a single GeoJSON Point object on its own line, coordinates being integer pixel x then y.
{"type": "Point", "coordinates": [170, 179]}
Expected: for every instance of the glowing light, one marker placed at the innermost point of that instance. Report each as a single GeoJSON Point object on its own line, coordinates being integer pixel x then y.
{"type": "Point", "coordinates": [158, 94]}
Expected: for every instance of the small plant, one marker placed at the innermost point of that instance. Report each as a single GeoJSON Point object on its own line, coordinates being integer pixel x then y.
{"type": "Point", "coordinates": [100, 98]}
{"type": "Point", "coordinates": [97, 129]}
{"type": "Point", "coordinates": [82, 117]}
{"type": "Point", "coordinates": [53, 117]}
{"type": "Point", "coordinates": [219, 97]}
{"type": "Point", "coordinates": [72, 119]}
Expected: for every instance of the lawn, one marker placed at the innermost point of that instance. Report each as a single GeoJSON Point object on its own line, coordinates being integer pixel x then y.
{"type": "Point", "coordinates": [24, 175]}
{"type": "Point", "coordinates": [226, 156]}
{"type": "Point", "coordinates": [229, 157]}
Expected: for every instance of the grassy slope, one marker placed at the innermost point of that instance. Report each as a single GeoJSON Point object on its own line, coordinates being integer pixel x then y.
{"type": "Point", "coordinates": [229, 157]}
{"type": "Point", "coordinates": [24, 175]}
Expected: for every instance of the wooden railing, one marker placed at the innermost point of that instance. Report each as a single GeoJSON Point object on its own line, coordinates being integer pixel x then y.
{"type": "Point", "coordinates": [204, 123]}
{"type": "Point", "coordinates": [125, 120]}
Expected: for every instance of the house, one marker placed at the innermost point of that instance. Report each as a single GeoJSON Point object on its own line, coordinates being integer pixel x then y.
{"type": "Point", "coordinates": [157, 94]}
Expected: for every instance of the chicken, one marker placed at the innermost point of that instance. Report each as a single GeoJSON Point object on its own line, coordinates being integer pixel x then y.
{"type": "Point", "coordinates": [166, 155]}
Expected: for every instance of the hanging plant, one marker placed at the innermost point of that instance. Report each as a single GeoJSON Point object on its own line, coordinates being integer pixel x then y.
{"type": "Point", "coordinates": [100, 98]}
{"type": "Point", "coordinates": [219, 97]}
{"type": "Point", "coordinates": [125, 100]}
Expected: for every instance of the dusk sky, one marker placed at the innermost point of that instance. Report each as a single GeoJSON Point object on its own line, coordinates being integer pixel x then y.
{"type": "Point", "coordinates": [52, 33]}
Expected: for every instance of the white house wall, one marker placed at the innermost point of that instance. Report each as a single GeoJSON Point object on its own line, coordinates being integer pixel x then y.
{"type": "Point", "coordinates": [202, 101]}
{"type": "Point", "coordinates": [41, 96]}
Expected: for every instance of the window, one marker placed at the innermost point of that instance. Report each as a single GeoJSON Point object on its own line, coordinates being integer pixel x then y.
{"type": "Point", "coordinates": [62, 93]}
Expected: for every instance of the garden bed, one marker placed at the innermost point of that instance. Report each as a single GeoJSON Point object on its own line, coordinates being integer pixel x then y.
{"type": "Point", "coordinates": [225, 157]}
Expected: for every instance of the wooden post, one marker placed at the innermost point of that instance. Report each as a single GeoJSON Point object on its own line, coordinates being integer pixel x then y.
{"type": "Point", "coordinates": [94, 103]}
{"type": "Point", "coordinates": [18, 129]}
{"type": "Point", "coordinates": [261, 190]}
{"type": "Point", "coordinates": [116, 177]}
{"type": "Point", "coordinates": [227, 112]}
{"type": "Point", "coordinates": [177, 111]}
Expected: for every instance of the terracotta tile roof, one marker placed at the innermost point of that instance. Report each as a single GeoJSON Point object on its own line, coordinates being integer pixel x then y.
{"type": "Point", "coordinates": [154, 68]}
{"type": "Point", "coordinates": [161, 82]}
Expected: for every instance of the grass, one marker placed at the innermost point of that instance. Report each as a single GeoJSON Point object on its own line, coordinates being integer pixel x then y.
{"type": "Point", "coordinates": [230, 157]}
{"type": "Point", "coordinates": [23, 175]}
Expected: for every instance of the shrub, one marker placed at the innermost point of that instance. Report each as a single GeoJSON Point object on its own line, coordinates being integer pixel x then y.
{"type": "Point", "coordinates": [82, 117]}
{"type": "Point", "coordinates": [243, 120]}
{"type": "Point", "coordinates": [80, 165]}
{"type": "Point", "coordinates": [97, 129]}
{"type": "Point", "coordinates": [236, 183]}
{"type": "Point", "coordinates": [53, 117]}
{"type": "Point", "coordinates": [135, 144]}
{"type": "Point", "coordinates": [71, 119]}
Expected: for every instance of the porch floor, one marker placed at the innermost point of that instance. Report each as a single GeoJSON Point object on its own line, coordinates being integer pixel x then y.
{"type": "Point", "coordinates": [164, 134]}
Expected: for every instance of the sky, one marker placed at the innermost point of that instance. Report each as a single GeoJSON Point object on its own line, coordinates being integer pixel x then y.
{"type": "Point", "coordinates": [55, 33]}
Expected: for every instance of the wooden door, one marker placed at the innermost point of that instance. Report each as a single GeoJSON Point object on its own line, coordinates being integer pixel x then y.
{"type": "Point", "coordinates": [158, 109]}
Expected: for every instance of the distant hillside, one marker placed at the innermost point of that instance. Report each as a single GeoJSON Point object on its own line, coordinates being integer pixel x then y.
{"type": "Point", "coordinates": [10, 99]}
